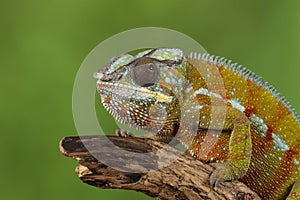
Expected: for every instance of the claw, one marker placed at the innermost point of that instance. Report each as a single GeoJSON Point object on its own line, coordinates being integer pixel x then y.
{"type": "Point", "coordinates": [123, 133]}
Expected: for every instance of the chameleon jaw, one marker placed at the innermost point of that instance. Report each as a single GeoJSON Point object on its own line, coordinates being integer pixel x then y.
{"type": "Point", "coordinates": [137, 107]}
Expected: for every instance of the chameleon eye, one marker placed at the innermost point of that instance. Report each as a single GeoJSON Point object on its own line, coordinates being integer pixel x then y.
{"type": "Point", "coordinates": [145, 75]}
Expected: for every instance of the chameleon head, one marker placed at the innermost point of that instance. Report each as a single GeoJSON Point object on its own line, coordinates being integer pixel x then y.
{"type": "Point", "coordinates": [142, 90]}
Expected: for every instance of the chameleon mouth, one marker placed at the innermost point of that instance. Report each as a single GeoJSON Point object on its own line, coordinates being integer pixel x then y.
{"type": "Point", "coordinates": [134, 106]}
{"type": "Point", "coordinates": [126, 91]}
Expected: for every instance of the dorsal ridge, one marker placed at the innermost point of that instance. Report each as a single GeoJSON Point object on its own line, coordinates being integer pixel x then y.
{"type": "Point", "coordinates": [245, 73]}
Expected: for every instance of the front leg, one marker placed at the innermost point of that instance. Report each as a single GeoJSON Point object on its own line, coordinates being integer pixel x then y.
{"type": "Point", "coordinates": [237, 161]}
{"type": "Point", "coordinates": [240, 149]}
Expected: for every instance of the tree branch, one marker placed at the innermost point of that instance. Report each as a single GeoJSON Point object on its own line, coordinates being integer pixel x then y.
{"type": "Point", "coordinates": [186, 178]}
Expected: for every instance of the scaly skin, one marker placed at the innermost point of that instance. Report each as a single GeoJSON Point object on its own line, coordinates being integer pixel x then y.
{"type": "Point", "coordinates": [252, 132]}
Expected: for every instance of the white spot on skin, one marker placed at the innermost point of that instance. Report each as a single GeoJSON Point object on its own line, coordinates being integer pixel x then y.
{"type": "Point", "coordinates": [279, 143]}
{"type": "Point", "coordinates": [187, 90]}
{"type": "Point", "coordinates": [296, 161]}
{"type": "Point", "coordinates": [167, 80]}
{"type": "Point", "coordinates": [199, 107]}
{"type": "Point", "coordinates": [260, 124]}
{"type": "Point", "coordinates": [236, 104]}
{"type": "Point", "coordinates": [191, 152]}
{"type": "Point", "coordinates": [173, 80]}
{"type": "Point", "coordinates": [215, 95]}
{"type": "Point", "coordinates": [203, 91]}
{"type": "Point", "coordinates": [233, 90]}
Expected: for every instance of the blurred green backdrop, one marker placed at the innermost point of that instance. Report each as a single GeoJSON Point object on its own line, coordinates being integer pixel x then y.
{"type": "Point", "coordinates": [42, 44]}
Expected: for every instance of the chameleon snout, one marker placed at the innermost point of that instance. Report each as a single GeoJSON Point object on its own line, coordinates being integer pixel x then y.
{"type": "Point", "coordinates": [98, 75]}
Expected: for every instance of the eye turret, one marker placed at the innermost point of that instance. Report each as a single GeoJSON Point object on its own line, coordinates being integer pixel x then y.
{"type": "Point", "coordinates": [145, 73]}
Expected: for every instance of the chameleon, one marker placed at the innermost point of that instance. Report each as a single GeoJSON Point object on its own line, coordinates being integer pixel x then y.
{"type": "Point", "coordinates": [258, 142]}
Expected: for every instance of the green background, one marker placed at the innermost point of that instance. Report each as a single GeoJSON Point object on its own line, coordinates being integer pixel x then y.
{"type": "Point", "coordinates": [42, 44]}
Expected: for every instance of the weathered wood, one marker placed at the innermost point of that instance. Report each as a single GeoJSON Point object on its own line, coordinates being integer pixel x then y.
{"type": "Point", "coordinates": [186, 178]}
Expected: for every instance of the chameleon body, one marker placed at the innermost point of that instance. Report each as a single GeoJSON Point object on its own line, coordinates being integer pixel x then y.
{"type": "Point", "coordinates": [258, 140]}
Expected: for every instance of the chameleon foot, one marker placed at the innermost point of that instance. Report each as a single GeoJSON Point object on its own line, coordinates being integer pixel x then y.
{"type": "Point", "coordinates": [222, 173]}
{"type": "Point", "coordinates": [123, 133]}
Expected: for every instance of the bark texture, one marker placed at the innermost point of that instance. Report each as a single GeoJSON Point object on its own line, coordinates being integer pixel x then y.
{"type": "Point", "coordinates": [185, 178]}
